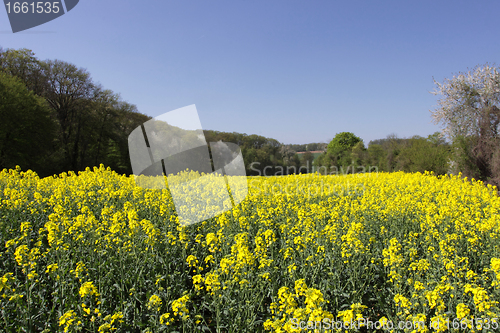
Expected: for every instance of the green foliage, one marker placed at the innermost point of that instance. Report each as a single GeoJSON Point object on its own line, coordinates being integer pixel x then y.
{"type": "Point", "coordinates": [258, 152]}
{"type": "Point", "coordinates": [79, 124]}
{"type": "Point", "coordinates": [307, 160]}
{"type": "Point", "coordinates": [342, 143]}
{"type": "Point", "coordinates": [346, 153]}
{"type": "Point", "coordinates": [358, 154]}
{"type": "Point", "coordinates": [27, 131]}
{"type": "Point", "coordinates": [462, 157]}
{"type": "Point", "coordinates": [416, 154]}
{"type": "Point", "coordinates": [376, 156]}
{"type": "Point", "coordinates": [67, 121]}
{"type": "Point", "coordinates": [323, 163]}
{"type": "Point", "coordinates": [24, 65]}
{"type": "Point", "coordinates": [469, 111]}
{"type": "Point", "coordinates": [421, 154]}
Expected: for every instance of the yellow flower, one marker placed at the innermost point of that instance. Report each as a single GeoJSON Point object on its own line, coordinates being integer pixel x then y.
{"type": "Point", "coordinates": [51, 268]}
{"type": "Point", "coordinates": [164, 319]}
{"type": "Point", "coordinates": [15, 297]}
{"type": "Point", "coordinates": [79, 270]}
{"type": "Point", "coordinates": [69, 320]}
{"type": "Point", "coordinates": [154, 302]}
{"type": "Point", "coordinates": [192, 261]}
{"type": "Point", "coordinates": [88, 289]}
{"type": "Point", "coordinates": [4, 281]}
{"type": "Point", "coordinates": [462, 311]}
{"type": "Point", "coordinates": [402, 301]}
{"type": "Point", "coordinates": [197, 281]}
{"type": "Point", "coordinates": [179, 307]}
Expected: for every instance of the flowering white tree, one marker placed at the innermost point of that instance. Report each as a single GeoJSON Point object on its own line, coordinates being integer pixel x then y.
{"type": "Point", "coordinates": [469, 111]}
{"type": "Point", "coordinates": [467, 99]}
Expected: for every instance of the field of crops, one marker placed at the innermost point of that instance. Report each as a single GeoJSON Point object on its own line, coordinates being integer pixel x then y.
{"type": "Point", "coordinates": [94, 253]}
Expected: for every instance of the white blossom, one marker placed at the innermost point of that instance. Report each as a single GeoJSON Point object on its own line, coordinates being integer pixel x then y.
{"type": "Point", "coordinates": [465, 96]}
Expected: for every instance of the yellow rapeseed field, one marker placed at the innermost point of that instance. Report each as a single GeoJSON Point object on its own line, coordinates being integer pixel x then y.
{"type": "Point", "coordinates": [94, 253]}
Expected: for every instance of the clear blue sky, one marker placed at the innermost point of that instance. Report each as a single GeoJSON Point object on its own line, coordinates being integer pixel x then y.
{"type": "Point", "coordinates": [298, 71]}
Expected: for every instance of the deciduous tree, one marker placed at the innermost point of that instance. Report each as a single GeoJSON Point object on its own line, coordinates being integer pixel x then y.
{"type": "Point", "coordinates": [27, 132]}
{"type": "Point", "coordinates": [469, 111]}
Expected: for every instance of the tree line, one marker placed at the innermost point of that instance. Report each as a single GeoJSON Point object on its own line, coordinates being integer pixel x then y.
{"type": "Point", "coordinates": [346, 153]}
{"type": "Point", "coordinates": [469, 112]}
{"type": "Point", "coordinates": [55, 118]}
